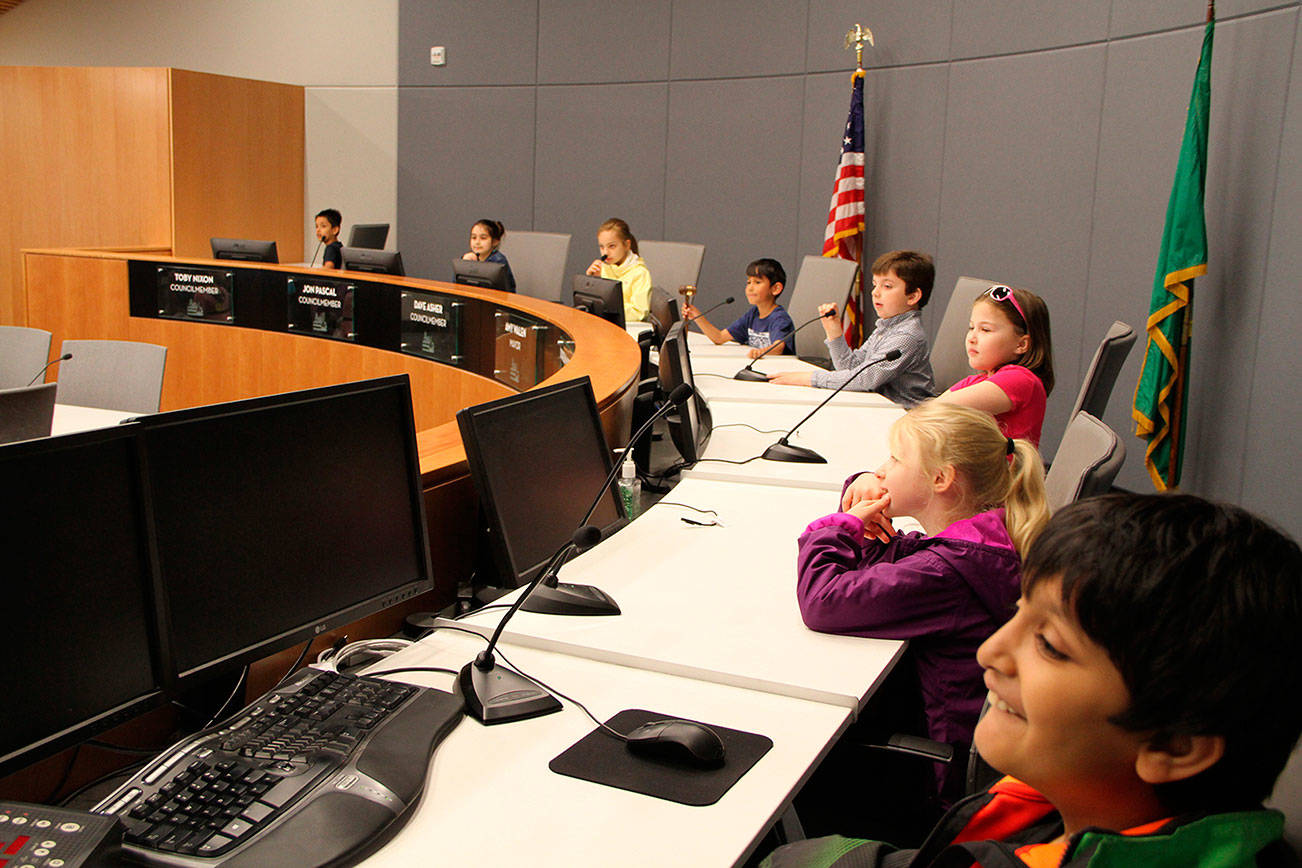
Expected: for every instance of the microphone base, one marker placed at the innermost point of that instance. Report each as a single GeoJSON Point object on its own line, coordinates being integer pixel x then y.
{"type": "Point", "coordinates": [750, 376]}
{"type": "Point", "coordinates": [797, 454]}
{"type": "Point", "coordinates": [501, 696]}
{"type": "Point", "coordinates": [570, 599]}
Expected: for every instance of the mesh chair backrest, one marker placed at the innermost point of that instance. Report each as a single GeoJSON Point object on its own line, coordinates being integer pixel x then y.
{"type": "Point", "coordinates": [23, 352]}
{"type": "Point", "coordinates": [1097, 385]}
{"type": "Point", "coordinates": [113, 375]}
{"type": "Point", "coordinates": [538, 262]}
{"type": "Point", "coordinates": [822, 280]}
{"type": "Point", "coordinates": [672, 263]}
{"type": "Point", "coordinates": [949, 350]}
{"type": "Point", "coordinates": [1086, 463]}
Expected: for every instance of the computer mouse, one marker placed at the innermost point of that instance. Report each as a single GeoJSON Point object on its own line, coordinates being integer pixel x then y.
{"type": "Point", "coordinates": [682, 742]}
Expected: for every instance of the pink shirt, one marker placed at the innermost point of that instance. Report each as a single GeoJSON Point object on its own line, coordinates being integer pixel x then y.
{"type": "Point", "coordinates": [1024, 389]}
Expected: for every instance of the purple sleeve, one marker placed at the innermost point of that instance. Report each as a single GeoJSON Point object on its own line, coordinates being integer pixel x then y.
{"type": "Point", "coordinates": [846, 584]}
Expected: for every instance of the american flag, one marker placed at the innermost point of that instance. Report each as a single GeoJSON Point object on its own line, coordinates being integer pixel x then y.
{"type": "Point", "coordinates": [845, 216]}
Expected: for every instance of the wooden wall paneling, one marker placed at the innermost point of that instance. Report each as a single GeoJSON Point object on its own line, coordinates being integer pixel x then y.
{"type": "Point", "coordinates": [84, 161]}
{"type": "Point", "coordinates": [237, 162]}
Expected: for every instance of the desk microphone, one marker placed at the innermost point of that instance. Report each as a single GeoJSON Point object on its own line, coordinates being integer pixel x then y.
{"type": "Point", "coordinates": [62, 358]}
{"type": "Point", "coordinates": [728, 300]}
{"type": "Point", "coordinates": [784, 451]}
{"type": "Point", "coordinates": [755, 376]}
{"type": "Point", "coordinates": [495, 694]}
{"type": "Point", "coordinates": [319, 242]}
{"type": "Point", "coordinates": [552, 597]}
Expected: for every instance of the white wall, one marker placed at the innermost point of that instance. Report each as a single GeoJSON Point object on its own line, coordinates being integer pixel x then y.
{"type": "Point", "coordinates": [345, 55]}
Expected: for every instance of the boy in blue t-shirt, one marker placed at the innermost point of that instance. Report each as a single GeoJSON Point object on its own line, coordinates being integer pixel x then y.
{"type": "Point", "coordinates": [765, 323]}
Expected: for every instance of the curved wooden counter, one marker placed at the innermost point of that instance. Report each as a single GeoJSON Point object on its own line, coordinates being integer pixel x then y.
{"type": "Point", "coordinates": [84, 294]}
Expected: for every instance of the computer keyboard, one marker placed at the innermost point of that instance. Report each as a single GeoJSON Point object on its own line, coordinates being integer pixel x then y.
{"type": "Point", "coordinates": [319, 771]}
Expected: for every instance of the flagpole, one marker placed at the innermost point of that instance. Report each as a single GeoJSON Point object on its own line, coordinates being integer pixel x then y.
{"type": "Point", "coordinates": [858, 36]}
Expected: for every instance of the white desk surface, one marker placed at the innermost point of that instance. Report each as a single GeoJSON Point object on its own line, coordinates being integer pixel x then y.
{"type": "Point", "coordinates": [851, 438]}
{"type": "Point", "coordinates": [491, 799]}
{"type": "Point", "coordinates": [712, 603]}
{"type": "Point", "coordinates": [713, 378]}
{"type": "Point", "coordinates": [699, 345]}
{"type": "Point", "coordinates": [69, 418]}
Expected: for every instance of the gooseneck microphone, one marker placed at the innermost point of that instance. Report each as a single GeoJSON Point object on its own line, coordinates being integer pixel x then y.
{"type": "Point", "coordinates": [755, 376]}
{"type": "Point", "coordinates": [553, 597]}
{"type": "Point", "coordinates": [495, 694]}
{"type": "Point", "coordinates": [41, 372]}
{"type": "Point", "coordinates": [784, 451]}
{"type": "Point", "coordinates": [728, 300]}
{"type": "Point", "coordinates": [319, 242]}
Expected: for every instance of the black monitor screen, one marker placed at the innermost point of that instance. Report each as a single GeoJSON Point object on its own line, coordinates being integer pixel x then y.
{"type": "Point", "coordinates": [77, 585]}
{"type": "Point", "coordinates": [488, 275]}
{"type": "Point", "coordinates": [690, 426]}
{"type": "Point", "coordinates": [371, 235]}
{"type": "Point", "coordinates": [533, 499]}
{"type": "Point", "coordinates": [374, 261]}
{"type": "Point", "coordinates": [600, 297]}
{"type": "Point", "coordinates": [283, 516]}
{"type": "Point", "coordinates": [244, 249]}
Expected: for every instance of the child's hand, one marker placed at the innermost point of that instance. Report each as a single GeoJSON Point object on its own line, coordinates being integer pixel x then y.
{"type": "Point", "coordinates": [827, 310]}
{"type": "Point", "coordinates": [792, 378]}
{"type": "Point", "coordinates": [755, 352]}
{"type": "Point", "coordinates": [830, 321]}
{"type": "Point", "coordinates": [594, 270]}
{"type": "Point", "coordinates": [875, 523]}
{"type": "Point", "coordinates": [866, 486]}
{"type": "Point", "coordinates": [689, 311]}
{"type": "Point", "coordinates": [470, 255]}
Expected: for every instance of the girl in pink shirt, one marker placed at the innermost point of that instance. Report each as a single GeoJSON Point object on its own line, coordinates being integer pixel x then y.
{"type": "Point", "coordinates": [1009, 347]}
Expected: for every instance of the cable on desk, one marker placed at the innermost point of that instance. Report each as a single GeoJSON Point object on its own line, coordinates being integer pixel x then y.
{"type": "Point", "coordinates": [752, 427]}
{"type": "Point", "coordinates": [302, 655]}
{"type": "Point", "coordinates": [67, 773]}
{"type": "Point", "coordinates": [687, 506]}
{"type": "Point", "coordinates": [126, 771]}
{"type": "Point", "coordinates": [729, 460]}
{"type": "Point", "coordinates": [337, 659]}
{"type": "Point", "coordinates": [235, 691]}
{"type": "Point", "coordinates": [399, 669]}
{"type": "Point", "coordinates": [122, 748]}
{"type": "Point", "coordinates": [616, 733]}
{"type": "Point", "coordinates": [487, 608]}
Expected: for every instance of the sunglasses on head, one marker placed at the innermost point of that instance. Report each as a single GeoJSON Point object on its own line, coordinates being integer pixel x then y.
{"type": "Point", "coordinates": [1005, 293]}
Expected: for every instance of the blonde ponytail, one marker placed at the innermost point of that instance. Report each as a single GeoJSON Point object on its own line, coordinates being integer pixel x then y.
{"type": "Point", "coordinates": [989, 475]}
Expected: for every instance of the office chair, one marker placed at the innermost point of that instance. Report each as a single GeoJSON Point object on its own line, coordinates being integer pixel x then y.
{"type": "Point", "coordinates": [949, 349]}
{"type": "Point", "coordinates": [113, 375]}
{"type": "Point", "coordinates": [822, 280]}
{"type": "Point", "coordinates": [672, 263]}
{"type": "Point", "coordinates": [26, 412]}
{"type": "Point", "coordinates": [23, 352]}
{"type": "Point", "coordinates": [1087, 461]}
{"type": "Point", "coordinates": [1103, 370]}
{"type": "Point", "coordinates": [538, 262]}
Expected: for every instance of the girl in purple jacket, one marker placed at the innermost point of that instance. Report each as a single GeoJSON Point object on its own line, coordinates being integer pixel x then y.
{"type": "Point", "coordinates": [979, 497]}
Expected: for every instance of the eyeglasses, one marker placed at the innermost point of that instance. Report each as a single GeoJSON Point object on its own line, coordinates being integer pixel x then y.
{"type": "Point", "coordinates": [1005, 293]}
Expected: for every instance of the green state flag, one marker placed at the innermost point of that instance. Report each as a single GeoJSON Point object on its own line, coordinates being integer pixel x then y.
{"type": "Point", "coordinates": [1160, 395]}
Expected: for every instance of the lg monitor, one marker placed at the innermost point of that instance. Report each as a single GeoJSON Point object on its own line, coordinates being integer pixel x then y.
{"type": "Point", "coordinates": [600, 297]}
{"type": "Point", "coordinates": [691, 425]}
{"type": "Point", "coordinates": [374, 261]}
{"type": "Point", "coordinates": [243, 249]}
{"type": "Point", "coordinates": [280, 517]}
{"type": "Point", "coordinates": [533, 499]}
{"type": "Point", "coordinates": [79, 606]}
{"type": "Point", "coordinates": [369, 235]}
{"type": "Point", "coordinates": [487, 275]}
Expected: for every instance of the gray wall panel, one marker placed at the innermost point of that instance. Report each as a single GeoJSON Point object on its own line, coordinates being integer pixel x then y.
{"type": "Point", "coordinates": [1249, 77]}
{"type": "Point", "coordinates": [1021, 136]}
{"type": "Point", "coordinates": [452, 173]}
{"type": "Point", "coordinates": [589, 169]}
{"type": "Point", "coordinates": [1272, 477]}
{"type": "Point", "coordinates": [725, 38]}
{"type": "Point", "coordinates": [1131, 17]}
{"type": "Point", "coordinates": [986, 27]}
{"type": "Point", "coordinates": [905, 31]}
{"type": "Point", "coordinates": [600, 41]}
{"type": "Point", "coordinates": [733, 184]}
{"type": "Point", "coordinates": [495, 42]}
{"type": "Point", "coordinates": [1134, 182]}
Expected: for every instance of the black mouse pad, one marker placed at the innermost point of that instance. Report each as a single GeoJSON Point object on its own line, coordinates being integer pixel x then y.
{"type": "Point", "coordinates": [603, 759]}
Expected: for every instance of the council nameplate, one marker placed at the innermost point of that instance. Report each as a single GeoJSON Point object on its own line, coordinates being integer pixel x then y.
{"type": "Point", "coordinates": [515, 358]}
{"type": "Point", "coordinates": [322, 307]}
{"type": "Point", "coordinates": [431, 326]}
{"type": "Point", "coordinates": [196, 294]}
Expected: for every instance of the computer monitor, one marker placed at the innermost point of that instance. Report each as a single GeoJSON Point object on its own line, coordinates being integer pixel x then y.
{"type": "Point", "coordinates": [533, 499]}
{"type": "Point", "coordinates": [280, 517]}
{"type": "Point", "coordinates": [78, 607]}
{"type": "Point", "coordinates": [664, 311]}
{"type": "Point", "coordinates": [691, 425]}
{"type": "Point", "coordinates": [600, 297]}
{"type": "Point", "coordinates": [374, 261]}
{"type": "Point", "coordinates": [488, 275]}
{"type": "Point", "coordinates": [243, 249]}
{"type": "Point", "coordinates": [370, 235]}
